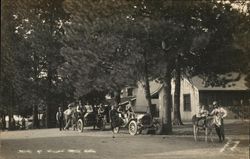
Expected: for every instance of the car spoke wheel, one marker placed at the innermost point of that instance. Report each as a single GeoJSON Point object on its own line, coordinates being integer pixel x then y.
{"type": "Point", "coordinates": [132, 128]}
{"type": "Point", "coordinates": [102, 128]}
{"type": "Point", "coordinates": [80, 125]}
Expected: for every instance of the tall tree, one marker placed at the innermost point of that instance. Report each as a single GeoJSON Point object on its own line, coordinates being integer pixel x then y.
{"type": "Point", "coordinates": [44, 20]}
{"type": "Point", "coordinates": [97, 56]}
{"type": "Point", "coordinates": [8, 51]}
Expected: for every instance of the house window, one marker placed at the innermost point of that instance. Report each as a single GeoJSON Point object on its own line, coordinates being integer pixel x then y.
{"type": "Point", "coordinates": [187, 102]}
{"type": "Point", "coordinates": [130, 91]}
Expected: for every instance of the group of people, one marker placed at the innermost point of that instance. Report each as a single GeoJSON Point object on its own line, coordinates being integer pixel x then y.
{"type": "Point", "coordinates": [70, 115]}
{"type": "Point", "coordinates": [126, 112]}
{"type": "Point", "coordinates": [68, 118]}
{"type": "Point", "coordinates": [219, 114]}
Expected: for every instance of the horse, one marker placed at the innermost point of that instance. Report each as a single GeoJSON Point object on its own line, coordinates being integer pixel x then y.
{"type": "Point", "coordinates": [209, 125]}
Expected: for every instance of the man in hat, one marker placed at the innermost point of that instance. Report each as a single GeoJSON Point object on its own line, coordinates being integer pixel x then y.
{"type": "Point", "coordinates": [219, 114]}
{"type": "Point", "coordinates": [59, 118]}
{"type": "Point", "coordinates": [129, 110]}
{"type": "Point", "coordinates": [68, 116]}
{"type": "Point", "coordinates": [80, 109]}
{"type": "Point", "coordinates": [114, 117]}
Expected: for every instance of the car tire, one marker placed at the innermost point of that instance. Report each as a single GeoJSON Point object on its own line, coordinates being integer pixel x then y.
{"type": "Point", "coordinates": [132, 128]}
{"type": "Point", "coordinates": [80, 125]}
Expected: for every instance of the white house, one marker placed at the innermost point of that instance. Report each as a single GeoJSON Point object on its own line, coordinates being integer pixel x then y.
{"type": "Point", "coordinates": [193, 92]}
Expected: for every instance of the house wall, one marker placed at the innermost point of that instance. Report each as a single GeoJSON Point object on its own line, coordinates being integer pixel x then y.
{"type": "Point", "coordinates": [188, 88]}
{"type": "Point", "coordinates": [140, 96]}
{"type": "Point", "coordinates": [225, 98]}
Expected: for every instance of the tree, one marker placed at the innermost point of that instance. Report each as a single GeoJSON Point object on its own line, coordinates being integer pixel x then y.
{"type": "Point", "coordinates": [220, 55]}
{"type": "Point", "coordinates": [97, 56]}
{"type": "Point", "coordinates": [191, 36]}
{"type": "Point", "coordinates": [199, 31]}
{"type": "Point", "coordinates": [8, 52]}
{"type": "Point", "coordinates": [43, 20]}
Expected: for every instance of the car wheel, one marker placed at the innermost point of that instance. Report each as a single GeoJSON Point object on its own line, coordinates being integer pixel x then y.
{"type": "Point", "coordinates": [80, 125]}
{"type": "Point", "coordinates": [132, 128]}
{"type": "Point", "coordinates": [103, 125]}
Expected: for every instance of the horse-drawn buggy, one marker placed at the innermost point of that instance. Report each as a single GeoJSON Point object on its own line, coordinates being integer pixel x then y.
{"type": "Point", "coordinates": [208, 122]}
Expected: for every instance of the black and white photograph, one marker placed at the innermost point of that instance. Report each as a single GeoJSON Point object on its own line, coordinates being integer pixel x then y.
{"type": "Point", "coordinates": [125, 79]}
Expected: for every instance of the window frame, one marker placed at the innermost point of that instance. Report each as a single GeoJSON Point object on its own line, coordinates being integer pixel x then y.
{"type": "Point", "coordinates": [187, 108]}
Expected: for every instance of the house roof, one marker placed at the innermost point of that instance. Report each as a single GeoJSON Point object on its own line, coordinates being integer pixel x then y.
{"type": "Point", "coordinates": [235, 82]}
{"type": "Point", "coordinates": [155, 87]}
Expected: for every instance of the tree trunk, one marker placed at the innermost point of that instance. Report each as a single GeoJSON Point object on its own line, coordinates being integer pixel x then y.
{"type": "Point", "coordinates": [3, 122]}
{"type": "Point", "coordinates": [35, 122]}
{"type": "Point", "coordinates": [177, 114]}
{"type": "Point", "coordinates": [49, 119]}
{"type": "Point", "coordinates": [117, 96]}
{"type": "Point", "coordinates": [10, 122]}
{"type": "Point", "coordinates": [10, 110]}
{"type": "Point", "coordinates": [51, 50]}
{"type": "Point", "coordinates": [147, 86]}
{"type": "Point", "coordinates": [148, 95]}
{"type": "Point", "coordinates": [167, 121]}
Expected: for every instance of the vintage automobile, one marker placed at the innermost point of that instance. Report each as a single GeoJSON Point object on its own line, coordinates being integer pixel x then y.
{"type": "Point", "coordinates": [140, 120]}
{"type": "Point", "coordinates": [91, 118]}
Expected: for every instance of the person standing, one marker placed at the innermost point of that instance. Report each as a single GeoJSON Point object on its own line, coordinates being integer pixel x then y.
{"type": "Point", "coordinates": [23, 123]}
{"type": "Point", "coordinates": [114, 117]}
{"type": "Point", "coordinates": [68, 115]}
{"type": "Point", "coordinates": [129, 110]}
{"type": "Point", "coordinates": [59, 118]}
{"type": "Point", "coordinates": [219, 114]}
{"type": "Point", "coordinates": [80, 109]}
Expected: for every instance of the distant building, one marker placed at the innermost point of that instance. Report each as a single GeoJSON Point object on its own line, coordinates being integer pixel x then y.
{"type": "Point", "coordinates": [193, 92]}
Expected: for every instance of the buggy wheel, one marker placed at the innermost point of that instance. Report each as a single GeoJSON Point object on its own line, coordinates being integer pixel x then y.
{"type": "Point", "coordinates": [80, 125]}
{"type": "Point", "coordinates": [196, 132]}
{"type": "Point", "coordinates": [132, 128]}
{"type": "Point", "coordinates": [116, 130]}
